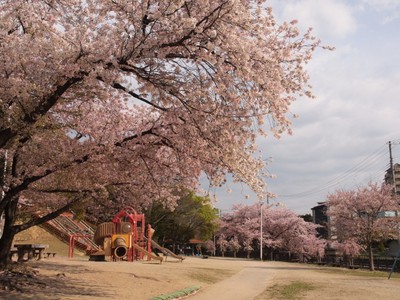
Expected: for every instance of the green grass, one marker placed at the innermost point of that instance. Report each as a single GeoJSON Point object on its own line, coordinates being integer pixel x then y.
{"type": "Point", "coordinates": [178, 294]}
{"type": "Point", "coordinates": [291, 291]}
{"type": "Point", "coordinates": [360, 273]}
{"type": "Point", "coordinates": [209, 275]}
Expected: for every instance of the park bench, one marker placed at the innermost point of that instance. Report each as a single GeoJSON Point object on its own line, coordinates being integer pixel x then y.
{"type": "Point", "coordinates": [29, 251]}
{"type": "Point", "coordinates": [13, 251]}
{"type": "Point", "coordinates": [53, 254]}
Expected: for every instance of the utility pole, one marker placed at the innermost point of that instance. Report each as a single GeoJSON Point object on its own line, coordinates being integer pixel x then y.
{"type": "Point", "coordinates": [392, 167]}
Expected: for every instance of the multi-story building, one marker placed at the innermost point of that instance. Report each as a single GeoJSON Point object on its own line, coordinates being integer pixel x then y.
{"type": "Point", "coordinates": [392, 176]}
{"type": "Point", "coordinates": [320, 217]}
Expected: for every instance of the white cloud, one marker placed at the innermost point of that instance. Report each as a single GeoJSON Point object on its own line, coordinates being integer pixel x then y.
{"type": "Point", "coordinates": [390, 9]}
{"type": "Point", "coordinates": [329, 17]}
{"type": "Point", "coordinates": [382, 4]}
{"type": "Point", "coordinates": [356, 111]}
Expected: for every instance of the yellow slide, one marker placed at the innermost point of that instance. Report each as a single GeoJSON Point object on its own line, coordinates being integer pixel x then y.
{"type": "Point", "coordinates": [166, 251]}
{"type": "Point", "coordinates": [149, 254]}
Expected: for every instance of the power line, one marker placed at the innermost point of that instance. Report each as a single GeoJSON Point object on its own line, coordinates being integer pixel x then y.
{"type": "Point", "coordinates": [363, 165]}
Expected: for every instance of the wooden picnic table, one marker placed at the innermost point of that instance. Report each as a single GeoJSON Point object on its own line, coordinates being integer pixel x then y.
{"type": "Point", "coordinates": [31, 250]}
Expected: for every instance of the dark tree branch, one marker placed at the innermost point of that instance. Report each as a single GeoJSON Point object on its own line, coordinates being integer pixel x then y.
{"type": "Point", "coordinates": [193, 32]}
{"type": "Point", "coordinates": [118, 86]}
{"type": "Point", "coordinates": [50, 216]}
{"type": "Point", "coordinates": [51, 100]}
{"type": "Point", "coordinates": [6, 134]}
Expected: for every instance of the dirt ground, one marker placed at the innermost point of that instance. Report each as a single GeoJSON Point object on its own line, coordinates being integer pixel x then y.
{"type": "Point", "coordinates": [79, 278]}
{"type": "Point", "coordinates": [215, 278]}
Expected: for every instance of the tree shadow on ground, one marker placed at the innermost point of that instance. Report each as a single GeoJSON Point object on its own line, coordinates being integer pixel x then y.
{"type": "Point", "coordinates": [30, 284]}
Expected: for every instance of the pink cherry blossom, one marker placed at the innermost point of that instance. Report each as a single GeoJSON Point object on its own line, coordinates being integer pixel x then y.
{"type": "Point", "coordinates": [358, 218]}
{"type": "Point", "coordinates": [113, 103]}
{"type": "Point", "coordinates": [283, 230]}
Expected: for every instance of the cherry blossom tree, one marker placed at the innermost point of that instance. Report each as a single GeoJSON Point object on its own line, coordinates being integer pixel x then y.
{"type": "Point", "coordinates": [314, 247]}
{"type": "Point", "coordinates": [210, 247]}
{"type": "Point", "coordinates": [234, 245]}
{"type": "Point", "coordinates": [358, 218]}
{"type": "Point", "coordinates": [283, 230]}
{"type": "Point", "coordinates": [349, 248]}
{"type": "Point", "coordinates": [247, 246]}
{"type": "Point", "coordinates": [122, 101]}
{"type": "Point", "coordinates": [222, 244]}
{"type": "Point", "coordinates": [243, 223]}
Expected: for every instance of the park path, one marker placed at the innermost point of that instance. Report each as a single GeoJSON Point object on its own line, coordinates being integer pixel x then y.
{"type": "Point", "coordinates": [251, 281]}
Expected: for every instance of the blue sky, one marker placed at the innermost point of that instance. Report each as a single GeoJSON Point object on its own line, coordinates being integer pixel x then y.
{"type": "Point", "coordinates": [340, 139]}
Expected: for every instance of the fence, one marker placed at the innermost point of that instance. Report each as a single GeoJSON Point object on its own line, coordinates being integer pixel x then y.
{"type": "Point", "coordinates": [381, 263]}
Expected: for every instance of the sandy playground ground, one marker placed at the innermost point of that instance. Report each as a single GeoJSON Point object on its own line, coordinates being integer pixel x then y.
{"type": "Point", "coordinates": [216, 278]}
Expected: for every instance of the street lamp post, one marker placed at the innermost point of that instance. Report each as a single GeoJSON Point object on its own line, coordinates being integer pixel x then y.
{"type": "Point", "coordinates": [261, 226]}
{"type": "Point", "coordinates": [261, 231]}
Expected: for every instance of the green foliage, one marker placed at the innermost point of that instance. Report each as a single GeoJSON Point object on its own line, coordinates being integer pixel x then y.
{"type": "Point", "coordinates": [193, 217]}
{"type": "Point", "coordinates": [360, 273]}
{"type": "Point", "coordinates": [381, 247]}
{"type": "Point", "coordinates": [307, 218]}
{"type": "Point", "coordinates": [178, 294]}
{"type": "Point", "coordinates": [79, 210]}
{"type": "Point", "coordinates": [210, 275]}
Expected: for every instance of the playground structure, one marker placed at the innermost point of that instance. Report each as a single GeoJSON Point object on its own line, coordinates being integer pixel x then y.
{"type": "Point", "coordinates": [125, 239]}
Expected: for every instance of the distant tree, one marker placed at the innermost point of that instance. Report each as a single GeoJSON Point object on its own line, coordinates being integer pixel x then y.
{"type": "Point", "coordinates": [234, 245]}
{"type": "Point", "coordinates": [282, 229]}
{"type": "Point", "coordinates": [285, 230]}
{"type": "Point", "coordinates": [314, 247]}
{"type": "Point", "coordinates": [193, 217]}
{"type": "Point", "coordinates": [210, 247]}
{"type": "Point", "coordinates": [307, 217]}
{"type": "Point", "coordinates": [350, 247]}
{"type": "Point", "coordinates": [359, 218]}
{"type": "Point", "coordinates": [242, 224]}
{"type": "Point", "coordinates": [223, 244]}
{"type": "Point", "coordinates": [247, 246]}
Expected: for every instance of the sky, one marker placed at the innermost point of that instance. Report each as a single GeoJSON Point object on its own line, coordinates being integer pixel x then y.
{"type": "Point", "coordinates": [340, 140]}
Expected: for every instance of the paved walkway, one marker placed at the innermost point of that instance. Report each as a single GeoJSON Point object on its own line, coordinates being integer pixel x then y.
{"type": "Point", "coordinates": [245, 285]}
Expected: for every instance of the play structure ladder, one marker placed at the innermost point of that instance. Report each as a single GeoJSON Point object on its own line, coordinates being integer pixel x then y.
{"type": "Point", "coordinates": [65, 226]}
{"type": "Point", "coordinates": [396, 259]}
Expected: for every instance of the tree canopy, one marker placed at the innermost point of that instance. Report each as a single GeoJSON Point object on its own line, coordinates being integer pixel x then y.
{"type": "Point", "coordinates": [137, 97]}
{"type": "Point", "coordinates": [283, 230]}
{"type": "Point", "coordinates": [193, 217]}
{"type": "Point", "coordinates": [359, 218]}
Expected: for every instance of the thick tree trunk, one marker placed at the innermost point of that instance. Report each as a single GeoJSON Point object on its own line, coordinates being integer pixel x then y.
{"type": "Point", "coordinates": [5, 246]}
{"type": "Point", "coordinates": [9, 232]}
{"type": "Point", "coordinates": [371, 258]}
{"type": "Point", "coordinates": [10, 229]}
